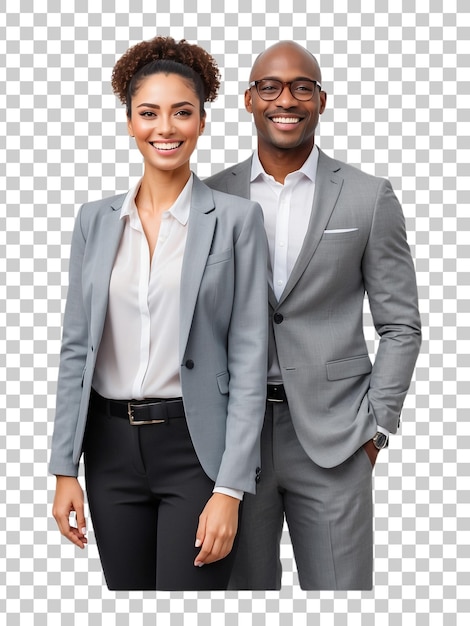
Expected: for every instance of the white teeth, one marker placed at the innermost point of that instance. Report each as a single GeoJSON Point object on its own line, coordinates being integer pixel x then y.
{"type": "Point", "coordinates": [285, 120]}
{"type": "Point", "coordinates": [167, 146]}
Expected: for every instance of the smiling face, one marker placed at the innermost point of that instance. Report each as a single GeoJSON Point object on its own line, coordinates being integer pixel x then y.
{"type": "Point", "coordinates": [285, 123]}
{"type": "Point", "coordinates": [166, 121]}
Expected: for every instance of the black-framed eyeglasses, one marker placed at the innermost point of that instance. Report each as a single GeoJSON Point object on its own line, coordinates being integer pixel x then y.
{"type": "Point", "coordinates": [271, 88]}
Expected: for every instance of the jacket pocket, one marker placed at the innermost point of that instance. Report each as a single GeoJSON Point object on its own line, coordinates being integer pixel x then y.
{"type": "Point", "coordinates": [340, 234]}
{"type": "Point", "coordinates": [219, 257]}
{"type": "Point", "coordinates": [347, 368]}
{"type": "Point", "coordinates": [223, 381]}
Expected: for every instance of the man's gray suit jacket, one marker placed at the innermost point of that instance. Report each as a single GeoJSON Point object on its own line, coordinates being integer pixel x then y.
{"type": "Point", "coordinates": [355, 243]}
{"type": "Point", "coordinates": [223, 331]}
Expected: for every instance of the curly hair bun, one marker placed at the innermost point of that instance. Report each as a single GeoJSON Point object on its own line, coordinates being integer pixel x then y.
{"type": "Point", "coordinates": [165, 48]}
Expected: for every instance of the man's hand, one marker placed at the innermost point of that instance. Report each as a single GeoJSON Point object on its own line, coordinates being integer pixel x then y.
{"type": "Point", "coordinates": [217, 528]}
{"type": "Point", "coordinates": [372, 451]}
{"type": "Point", "coordinates": [68, 498]}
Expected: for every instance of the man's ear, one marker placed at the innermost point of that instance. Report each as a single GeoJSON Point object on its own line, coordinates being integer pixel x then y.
{"type": "Point", "coordinates": [322, 101]}
{"type": "Point", "coordinates": [248, 106]}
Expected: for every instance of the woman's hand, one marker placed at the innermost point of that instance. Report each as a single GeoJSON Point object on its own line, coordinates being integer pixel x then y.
{"type": "Point", "coordinates": [217, 528]}
{"type": "Point", "coordinates": [68, 498]}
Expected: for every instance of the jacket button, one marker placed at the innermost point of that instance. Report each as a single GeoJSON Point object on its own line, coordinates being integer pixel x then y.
{"type": "Point", "coordinates": [189, 364]}
{"type": "Point", "coordinates": [258, 474]}
{"type": "Point", "coordinates": [278, 318]}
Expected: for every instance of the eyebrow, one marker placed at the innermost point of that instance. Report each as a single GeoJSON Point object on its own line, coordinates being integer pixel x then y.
{"type": "Point", "coordinates": [177, 105]}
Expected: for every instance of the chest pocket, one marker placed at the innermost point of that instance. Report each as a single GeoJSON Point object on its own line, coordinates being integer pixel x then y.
{"type": "Point", "coordinates": [340, 234]}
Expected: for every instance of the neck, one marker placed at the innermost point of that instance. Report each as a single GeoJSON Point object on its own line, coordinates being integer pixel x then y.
{"type": "Point", "coordinates": [160, 189]}
{"type": "Point", "coordinates": [279, 162]}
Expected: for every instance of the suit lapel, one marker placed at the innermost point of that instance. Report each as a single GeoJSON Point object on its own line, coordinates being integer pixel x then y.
{"type": "Point", "coordinates": [238, 183]}
{"type": "Point", "coordinates": [328, 186]}
{"type": "Point", "coordinates": [113, 228]}
{"type": "Point", "coordinates": [327, 189]}
{"type": "Point", "coordinates": [201, 227]}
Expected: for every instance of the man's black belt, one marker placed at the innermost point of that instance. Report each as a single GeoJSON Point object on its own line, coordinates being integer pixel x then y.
{"type": "Point", "coordinates": [276, 393]}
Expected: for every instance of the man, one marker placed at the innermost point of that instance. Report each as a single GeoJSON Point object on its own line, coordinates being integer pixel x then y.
{"type": "Point", "coordinates": [334, 233]}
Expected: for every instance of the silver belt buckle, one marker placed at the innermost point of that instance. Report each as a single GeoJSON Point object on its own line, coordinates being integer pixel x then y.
{"type": "Point", "coordinates": [134, 422]}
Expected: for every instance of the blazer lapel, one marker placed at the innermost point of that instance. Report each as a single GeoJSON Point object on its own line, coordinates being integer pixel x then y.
{"type": "Point", "coordinates": [201, 226]}
{"type": "Point", "coordinates": [238, 183]}
{"type": "Point", "coordinates": [112, 229]}
{"type": "Point", "coordinates": [327, 189]}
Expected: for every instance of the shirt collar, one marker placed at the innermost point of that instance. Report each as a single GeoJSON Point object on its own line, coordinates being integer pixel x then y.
{"type": "Point", "coordinates": [308, 169]}
{"type": "Point", "coordinates": [179, 209]}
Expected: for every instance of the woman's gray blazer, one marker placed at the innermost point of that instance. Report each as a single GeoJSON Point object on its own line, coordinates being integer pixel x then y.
{"type": "Point", "coordinates": [222, 340]}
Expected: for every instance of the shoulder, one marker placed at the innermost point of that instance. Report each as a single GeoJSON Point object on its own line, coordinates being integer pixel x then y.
{"type": "Point", "coordinates": [219, 178]}
{"type": "Point", "coordinates": [352, 175]}
{"type": "Point", "coordinates": [95, 210]}
{"type": "Point", "coordinates": [103, 204]}
{"type": "Point", "coordinates": [224, 204]}
{"type": "Point", "coordinates": [225, 177]}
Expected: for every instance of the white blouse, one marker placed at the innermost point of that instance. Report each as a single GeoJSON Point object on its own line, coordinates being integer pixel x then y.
{"type": "Point", "coordinates": [139, 353]}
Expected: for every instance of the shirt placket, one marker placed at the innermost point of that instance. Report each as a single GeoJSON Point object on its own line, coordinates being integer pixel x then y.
{"type": "Point", "coordinates": [281, 243]}
{"type": "Point", "coordinates": [144, 312]}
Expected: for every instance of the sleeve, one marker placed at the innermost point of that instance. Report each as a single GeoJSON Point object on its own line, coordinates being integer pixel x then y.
{"type": "Point", "coordinates": [247, 355]}
{"type": "Point", "coordinates": [390, 282]}
{"type": "Point", "coordinates": [72, 362]}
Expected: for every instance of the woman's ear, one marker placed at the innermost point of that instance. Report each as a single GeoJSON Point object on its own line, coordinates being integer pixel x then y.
{"type": "Point", "coordinates": [202, 124]}
{"type": "Point", "coordinates": [130, 130]}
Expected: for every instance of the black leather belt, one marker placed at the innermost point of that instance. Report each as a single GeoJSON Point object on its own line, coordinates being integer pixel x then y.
{"type": "Point", "coordinates": [139, 412]}
{"type": "Point", "coordinates": [276, 393]}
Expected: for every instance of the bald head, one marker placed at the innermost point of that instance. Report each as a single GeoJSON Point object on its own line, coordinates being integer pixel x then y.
{"type": "Point", "coordinates": [282, 49]}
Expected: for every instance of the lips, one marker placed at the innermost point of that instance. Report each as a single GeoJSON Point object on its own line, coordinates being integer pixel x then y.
{"type": "Point", "coordinates": [160, 145]}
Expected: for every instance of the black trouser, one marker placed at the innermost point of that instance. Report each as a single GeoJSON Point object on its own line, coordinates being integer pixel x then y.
{"type": "Point", "coordinates": [146, 490]}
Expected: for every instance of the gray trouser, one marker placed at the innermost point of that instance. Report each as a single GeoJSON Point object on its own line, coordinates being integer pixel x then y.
{"type": "Point", "coordinates": [328, 513]}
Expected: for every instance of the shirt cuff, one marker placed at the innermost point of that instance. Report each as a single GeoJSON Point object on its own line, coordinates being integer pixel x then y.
{"type": "Point", "coordinates": [234, 493]}
{"type": "Point", "coordinates": [380, 429]}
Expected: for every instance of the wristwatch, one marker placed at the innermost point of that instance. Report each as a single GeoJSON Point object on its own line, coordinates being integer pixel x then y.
{"type": "Point", "coordinates": [380, 440]}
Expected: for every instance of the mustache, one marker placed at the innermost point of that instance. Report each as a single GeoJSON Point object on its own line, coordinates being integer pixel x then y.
{"type": "Point", "coordinates": [287, 112]}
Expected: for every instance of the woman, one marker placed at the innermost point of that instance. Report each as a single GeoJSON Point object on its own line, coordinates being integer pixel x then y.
{"type": "Point", "coordinates": [164, 346]}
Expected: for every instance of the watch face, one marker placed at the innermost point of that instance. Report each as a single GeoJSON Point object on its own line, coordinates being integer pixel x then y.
{"type": "Point", "coordinates": [380, 440]}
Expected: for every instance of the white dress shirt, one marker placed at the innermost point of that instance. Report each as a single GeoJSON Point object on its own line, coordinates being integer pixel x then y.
{"type": "Point", "coordinates": [139, 352]}
{"type": "Point", "coordinates": [287, 210]}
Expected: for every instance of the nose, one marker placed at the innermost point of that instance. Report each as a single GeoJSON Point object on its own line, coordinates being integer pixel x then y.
{"type": "Point", "coordinates": [285, 99]}
{"type": "Point", "coordinates": [165, 126]}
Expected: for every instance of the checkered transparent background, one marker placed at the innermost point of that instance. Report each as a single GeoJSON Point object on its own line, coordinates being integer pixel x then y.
{"type": "Point", "coordinates": [396, 74]}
